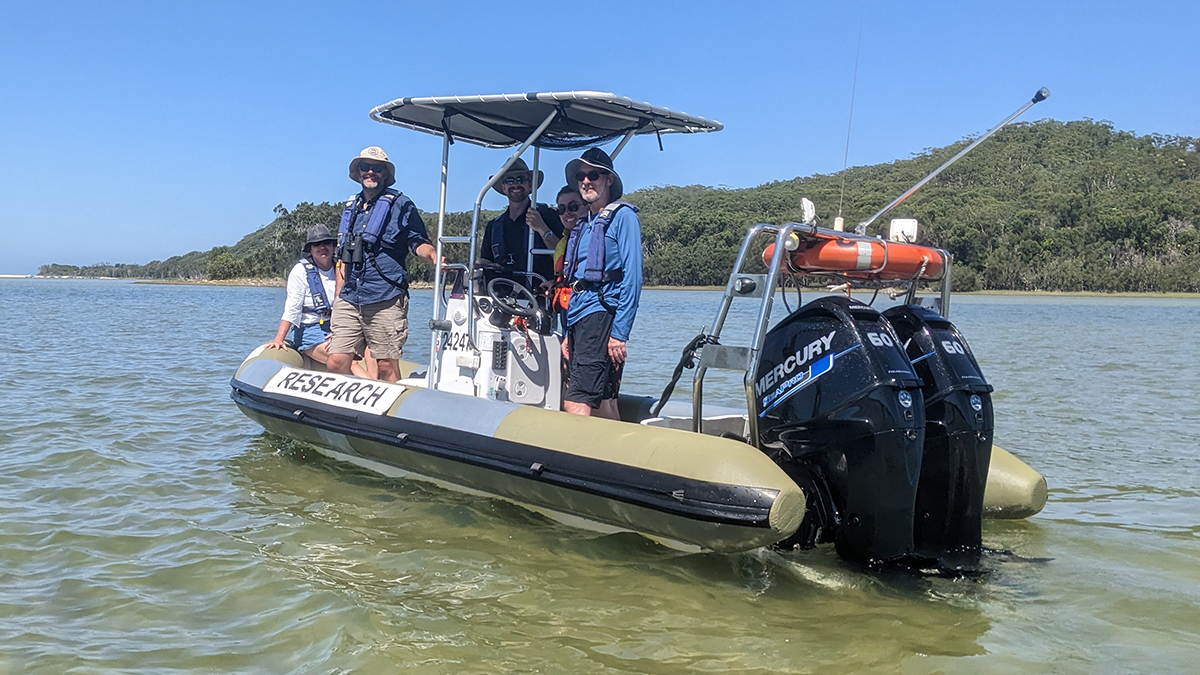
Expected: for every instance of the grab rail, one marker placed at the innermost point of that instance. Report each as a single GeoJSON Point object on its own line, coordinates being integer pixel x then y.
{"type": "Point", "coordinates": [746, 358]}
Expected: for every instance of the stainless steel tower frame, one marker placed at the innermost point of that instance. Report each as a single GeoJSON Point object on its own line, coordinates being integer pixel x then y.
{"type": "Point", "coordinates": [434, 115]}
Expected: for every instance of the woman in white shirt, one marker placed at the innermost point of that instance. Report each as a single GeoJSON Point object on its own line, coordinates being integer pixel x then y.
{"type": "Point", "coordinates": [305, 324]}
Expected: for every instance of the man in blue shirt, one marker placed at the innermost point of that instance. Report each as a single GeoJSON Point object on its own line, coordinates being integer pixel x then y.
{"type": "Point", "coordinates": [506, 237]}
{"type": "Point", "coordinates": [379, 227]}
{"type": "Point", "coordinates": [603, 262]}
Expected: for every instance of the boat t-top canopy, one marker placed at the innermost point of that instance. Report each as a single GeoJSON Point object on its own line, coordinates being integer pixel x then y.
{"type": "Point", "coordinates": [561, 120]}
{"type": "Point", "coordinates": [585, 118]}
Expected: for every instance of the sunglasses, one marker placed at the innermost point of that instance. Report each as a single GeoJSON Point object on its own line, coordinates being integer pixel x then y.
{"type": "Point", "coordinates": [590, 175]}
{"type": "Point", "coordinates": [327, 242]}
{"type": "Point", "coordinates": [571, 207]}
{"type": "Point", "coordinates": [516, 180]}
{"type": "Point", "coordinates": [377, 168]}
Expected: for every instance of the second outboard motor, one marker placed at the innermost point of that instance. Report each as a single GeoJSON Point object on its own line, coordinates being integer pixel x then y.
{"type": "Point", "coordinates": [958, 436]}
{"type": "Point", "coordinates": [840, 410]}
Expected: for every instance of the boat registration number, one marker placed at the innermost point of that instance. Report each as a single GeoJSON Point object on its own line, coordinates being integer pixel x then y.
{"type": "Point", "coordinates": [343, 391]}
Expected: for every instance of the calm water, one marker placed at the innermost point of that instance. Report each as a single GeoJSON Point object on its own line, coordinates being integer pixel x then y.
{"type": "Point", "coordinates": [146, 526]}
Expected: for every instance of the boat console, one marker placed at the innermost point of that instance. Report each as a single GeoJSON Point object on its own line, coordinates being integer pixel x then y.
{"type": "Point", "coordinates": [514, 354]}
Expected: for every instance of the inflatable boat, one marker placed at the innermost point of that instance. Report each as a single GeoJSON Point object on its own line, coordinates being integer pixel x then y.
{"type": "Point", "coordinates": [865, 429]}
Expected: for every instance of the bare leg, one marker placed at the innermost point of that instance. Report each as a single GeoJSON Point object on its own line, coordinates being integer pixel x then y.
{"type": "Point", "coordinates": [320, 353]}
{"type": "Point", "coordinates": [608, 409]}
{"type": "Point", "coordinates": [339, 363]}
{"type": "Point", "coordinates": [369, 364]}
{"type": "Point", "coordinates": [389, 369]}
{"type": "Point", "coordinates": [576, 408]}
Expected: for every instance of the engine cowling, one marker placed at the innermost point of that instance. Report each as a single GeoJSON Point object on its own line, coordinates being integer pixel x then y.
{"type": "Point", "coordinates": [840, 409]}
{"type": "Point", "coordinates": [958, 436]}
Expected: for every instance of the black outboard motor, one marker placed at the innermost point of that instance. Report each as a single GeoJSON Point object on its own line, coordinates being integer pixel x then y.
{"type": "Point", "coordinates": [840, 410]}
{"type": "Point", "coordinates": [958, 436]}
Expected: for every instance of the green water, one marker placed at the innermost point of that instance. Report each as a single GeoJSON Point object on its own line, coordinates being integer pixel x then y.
{"type": "Point", "coordinates": [146, 526]}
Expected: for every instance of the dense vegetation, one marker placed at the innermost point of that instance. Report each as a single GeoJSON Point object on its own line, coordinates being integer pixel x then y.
{"type": "Point", "coordinates": [1073, 206]}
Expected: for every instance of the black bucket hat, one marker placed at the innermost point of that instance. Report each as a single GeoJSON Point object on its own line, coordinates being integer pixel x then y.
{"type": "Point", "coordinates": [316, 235]}
{"type": "Point", "coordinates": [595, 157]}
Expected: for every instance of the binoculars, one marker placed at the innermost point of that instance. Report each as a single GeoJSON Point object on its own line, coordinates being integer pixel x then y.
{"type": "Point", "coordinates": [352, 250]}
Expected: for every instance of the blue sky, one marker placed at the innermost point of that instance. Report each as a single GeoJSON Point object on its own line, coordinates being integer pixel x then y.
{"type": "Point", "coordinates": [138, 131]}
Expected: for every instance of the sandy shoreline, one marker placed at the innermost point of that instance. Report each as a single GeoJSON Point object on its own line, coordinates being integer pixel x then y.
{"type": "Point", "coordinates": [280, 283]}
{"type": "Point", "coordinates": [275, 283]}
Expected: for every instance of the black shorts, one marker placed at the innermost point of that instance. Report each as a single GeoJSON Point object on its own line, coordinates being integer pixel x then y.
{"type": "Point", "coordinates": [592, 377]}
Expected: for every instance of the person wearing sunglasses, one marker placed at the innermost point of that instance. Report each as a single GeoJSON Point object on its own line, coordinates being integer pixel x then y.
{"type": "Point", "coordinates": [379, 227]}
{"type": "Point", "coordinates": [305, 325]}
{"type": "Point", "coordinates": [603, 264]}
{"type": "Point", "coordinates": [570, 207]}
{"type": "Point", "coordinates": [506, 237]}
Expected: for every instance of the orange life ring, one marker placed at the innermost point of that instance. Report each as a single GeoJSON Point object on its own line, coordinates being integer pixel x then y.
{"type": "Point", "coordinates": [865, 258]}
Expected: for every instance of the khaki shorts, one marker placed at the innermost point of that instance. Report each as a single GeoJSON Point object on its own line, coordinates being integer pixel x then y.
{"type": "Point", "coordinates": [382, 326]}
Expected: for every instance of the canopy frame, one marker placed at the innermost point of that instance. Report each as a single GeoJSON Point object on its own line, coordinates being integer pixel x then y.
{"type": "Point", "coordinates": [585, 118]}
{"type": "Point", "coordinates": [556, 120]}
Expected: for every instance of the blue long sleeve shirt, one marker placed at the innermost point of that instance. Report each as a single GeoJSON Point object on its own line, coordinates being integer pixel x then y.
{"type": "Point", "coordinates": [404, 232]}
{"type": "Point", "coordinates": [622, 251]}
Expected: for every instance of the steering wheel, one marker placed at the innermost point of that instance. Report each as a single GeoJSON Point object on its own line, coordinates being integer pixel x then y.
{"type": "Point", "coordinates": [504, 291]}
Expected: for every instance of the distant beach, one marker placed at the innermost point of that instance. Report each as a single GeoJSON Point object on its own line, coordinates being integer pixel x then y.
{"type": "Point", "coordinates": [424, 285]}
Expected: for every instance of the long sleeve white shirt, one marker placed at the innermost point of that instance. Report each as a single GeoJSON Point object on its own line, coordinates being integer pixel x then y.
{"type": "Point", "coordinates": [298, 297]}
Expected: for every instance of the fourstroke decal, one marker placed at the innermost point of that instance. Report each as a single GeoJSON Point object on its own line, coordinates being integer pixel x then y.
{"type": "Point", "coordinates": [792, 362]}
{"type": "Point", "coordinates": [801, 380]}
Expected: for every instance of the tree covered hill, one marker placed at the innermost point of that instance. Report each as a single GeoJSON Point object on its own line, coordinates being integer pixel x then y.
{"type": "Point", "coordinates": [1074, 206]}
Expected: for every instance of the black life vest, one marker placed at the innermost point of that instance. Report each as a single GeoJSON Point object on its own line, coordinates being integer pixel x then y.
{"type": "Point", "coordinates": [500, 252]}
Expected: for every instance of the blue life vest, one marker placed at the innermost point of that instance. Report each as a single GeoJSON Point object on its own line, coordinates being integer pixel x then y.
{"type": "Point", "coordinates": [376, 222]}
{"type": "Point", "coordinates": [316, 291]}
{"type": "Point", "coordinates": [594, 271]}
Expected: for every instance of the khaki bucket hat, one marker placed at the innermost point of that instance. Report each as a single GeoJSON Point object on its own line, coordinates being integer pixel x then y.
{"type": "Point", "coordinates": [377, 155]}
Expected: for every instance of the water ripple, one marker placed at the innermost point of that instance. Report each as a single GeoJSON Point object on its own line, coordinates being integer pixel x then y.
{"type": "Point", "coordinates": [148, 527]}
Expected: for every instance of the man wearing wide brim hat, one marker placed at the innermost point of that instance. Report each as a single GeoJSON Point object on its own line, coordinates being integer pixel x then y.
{"type": "Point", "coordinates": [518, 168]}
{"type": "Point", "coordinates": [379, 227]}
{"type": "Point", "coordinates": [595, 159]}
{"type": "Point", "coordinates": [506, 237]}
{"type": "Point", "coordinates": [374, 156]}
{"type": "Point", "coordinates": [603, 264]}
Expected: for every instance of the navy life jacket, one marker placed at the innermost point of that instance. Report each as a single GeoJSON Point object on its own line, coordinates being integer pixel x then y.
{"type": "Point", "coordinates": [316, 291]}
{"type": "Point", "coordinates": [375, 224]}
{"type": "Point", "coordinates": [593, 273]}
{"type": "Point", "coordinates": [500, 252]}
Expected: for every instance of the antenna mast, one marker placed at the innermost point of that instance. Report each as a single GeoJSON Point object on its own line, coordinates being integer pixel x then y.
{"type": "Point", "coordinates": [838, 223]}
{"type": "Point", "coordinates": [1041, 95]}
